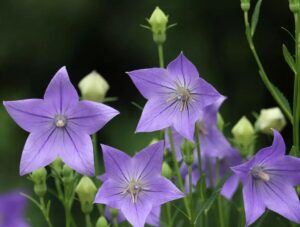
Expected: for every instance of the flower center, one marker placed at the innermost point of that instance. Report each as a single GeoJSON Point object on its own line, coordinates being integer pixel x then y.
{"type": "Point", "coordinates": [181, 95]}
{"type": "Point", "coordinates": [60, 121]}
{"type": "Point", "coordinates": [259, 173]}
{"type": "Point", "coordinates": [133, 189]}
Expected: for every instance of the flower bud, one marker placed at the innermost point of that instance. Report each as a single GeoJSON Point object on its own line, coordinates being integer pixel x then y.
{"type": "Point", "coordinates": [243, 132]}
{"type": "Point", "coordinates": [93, 87]}
{"type": "Point", "coordinates": [102, 222]}
{"type": "Point", "coordinates": [68, 174]}
{"type": "Point", "coordinates": [86, 191]}
{"type": "Point", "coordinates": [187, 149]}
{"type": "Point", "coordinates": [270, 118]}
{"type": "Point", "coordinates": [166, 170]}
{"type": "Point", "coordinates": [158, 22]}
{"type": "Point", "coordinates": [245, 5]}
{"type": "Point", "coordinates": [220, 122]}
{"type": "Point", "coordinates": [294, 6]}
{"type": "Point", "coordinates": [39, 178]}
{"type": "Point", "coordinates": [57, 166]}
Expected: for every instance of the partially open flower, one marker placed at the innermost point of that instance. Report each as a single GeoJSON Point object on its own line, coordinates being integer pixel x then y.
{"type": "Point", "coordinates": [93, 87]}
{"type": "Point", "coordinates": [270, 118]}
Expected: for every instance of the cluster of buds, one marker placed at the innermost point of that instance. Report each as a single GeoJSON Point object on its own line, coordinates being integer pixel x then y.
{"type": "Point", "coordinates": [39, 179]}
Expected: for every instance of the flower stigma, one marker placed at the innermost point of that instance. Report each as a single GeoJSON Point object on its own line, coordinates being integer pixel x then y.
{"type": "Point", "coordinates": [259, 173]}
{"type": "Point", "coordinates": [182, 95]}
{"type": "Point", "coordinates": [60, 121]}
{"type": "Point", "coordinates": [133, 189]}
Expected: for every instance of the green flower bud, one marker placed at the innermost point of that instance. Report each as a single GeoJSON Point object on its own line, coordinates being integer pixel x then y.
{"type": "Point", "coordinates": [40, 189]}
{"type": "Point", "coordinates": [114, 212]}
{"type": "Point", "coordinates": [220, 122]}
{"type": "Point", "coordinates": [158, 22]}
{"type": "Point", "coordinates": [68, 174]}
{"type": "Point", "coordinates": [187, 149]}
{"type": "Point", "coordinates": [166, 170]}
{"type": "Point", "coordinates": [102, 222]}
{"type": "Point", "coordinates": [294, 5]}
{"type": "Point", "coordinates": [93, 87]}
{"type": "Point", "coordinates": [86, 191]}
{"type": "Point", "coordinates": [57, 166]}
{"type": "Point", "coordinates": [243, 132]}
{"type": "Point", "coordinates": [39, 178]}
{"type": "Point", "coordinates": [245, 5]}
{"type": "Point", "coordinates": [270, 118]}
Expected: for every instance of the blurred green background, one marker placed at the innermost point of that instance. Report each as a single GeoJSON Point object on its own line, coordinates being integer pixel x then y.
{"type": "Point", "coordinates": [38, 37]}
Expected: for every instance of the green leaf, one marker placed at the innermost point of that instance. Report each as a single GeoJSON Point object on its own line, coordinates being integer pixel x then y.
{"type": "Point", "coordinates": [283, 99]}
{"type": "Point", "coordinates": [288, 58]}
{"type": "Point", "coordinates": [255, 17]}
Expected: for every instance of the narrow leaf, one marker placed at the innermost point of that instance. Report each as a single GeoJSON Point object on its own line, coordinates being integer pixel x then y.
{"type": "Point", "coordinates": [283, 99]}
{"type": "Point", "coordinates": [31, 199]}
{"type": "Point", "coordinates": [288, 58]}
{"type": "Point", "coordinates": [255, 17]}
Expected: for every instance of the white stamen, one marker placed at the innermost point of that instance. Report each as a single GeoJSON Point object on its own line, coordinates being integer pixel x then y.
{"type": "Point", "coordinates": [258, 172]}
{"type": "Point", "coordinates": [60, 121]}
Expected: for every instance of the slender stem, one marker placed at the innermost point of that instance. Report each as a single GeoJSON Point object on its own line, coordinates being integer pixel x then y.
{"type": "Point", "coordinates": [161, 55]}
{"type": "Point", "coordinates": [68, 215]}
{"type": "Point", "coordinates": [88, 222]}
{"type": "Point", "coordinates": [96, 154]}
{"type": "Point", "coordinates": [296, 104]}
{"type": "Point", "coordinates": [220, 204]}
{"type": "Point", "coordinates": [169, 217]}
{"type": "Point", "coordinates": [115, 222]}
{"type": "Point", "coordinates": [45, 211]}
{"type": "Point", "coordinates": [176, 167]}
{"type": "Point", "coordinates": [198, 150]}
{"type": "Point", "coordinates": [191, 192]}
{"type": "Point", "coordinates": [262, 71]}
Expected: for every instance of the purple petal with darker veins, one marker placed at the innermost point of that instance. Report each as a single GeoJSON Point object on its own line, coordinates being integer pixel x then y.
{"type": "Point", "coordinates": [152, 82]}
{"type": "Point", "coordinates": [60, 93]}
{"type": "Point", "coordinates": [116, 164]}
{"type": "Point", "coordinates": [136, 213]}
{"type": "Point", "coordinates": [253, 200]}
{"type": "Point", "coordinates": [77, 151]}
{"type": "Point", "coordinates": [41, 148]}
{"type": "Point", "coordinates": [154, 217]}
{"type": "Point", "coordinates": [157, 115]}
{"type": "Point", "coordinates": [30, 114]}
{"type": "Point", "coordinates": [90, 116]}
{"type": "Point", "coordinates": [282, 198]}
{"type": "Point", "coordinates": [148, 162]}
{"type": "Point", "coordinates": [230, 187]}
{"type": "Point", "coordinates": [183, 70]}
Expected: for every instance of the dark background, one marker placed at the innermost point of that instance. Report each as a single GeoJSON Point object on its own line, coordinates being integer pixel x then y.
{"type": "Point", "coordinates": [39, 37]}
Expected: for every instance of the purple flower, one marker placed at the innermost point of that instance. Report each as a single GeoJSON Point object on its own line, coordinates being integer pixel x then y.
{"type": "Point", "coordinates": [152, 219]}
{"type": "Point", "coordinates": [269, 179]}
{"type": "Point", "coordinates": [12, 209]}
{"type": "Point", "coordinates": [176, 96]}
{"type": "Point", "coordinates": [60, 126]}
{"type": "Point", "coordinates": [135, 185]}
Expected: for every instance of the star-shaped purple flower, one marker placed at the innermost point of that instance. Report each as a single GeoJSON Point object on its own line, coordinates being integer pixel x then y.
{"type": "Point", "coordinates": [135, 185]}
{"type": "Point", "coordinates": [269, 179]}
{"type": "Point", "coordinates": [12, 209]}
{"type": "Point", "coordinates": [60, 126]}
{"type": "Point", "coordinates": [176, 96]}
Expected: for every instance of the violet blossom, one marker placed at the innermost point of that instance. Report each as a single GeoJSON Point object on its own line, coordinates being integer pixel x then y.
{"type": "Point", "coordinates": [60, 126]}
{"type": "Point", "coordinates": [269, 179]}
{"type": "Point", "coordinates": [12, 210]}
{"type": "Point", "coordinates": [176, 96]}
{"type": "Point", "coordinates": [135, 185]}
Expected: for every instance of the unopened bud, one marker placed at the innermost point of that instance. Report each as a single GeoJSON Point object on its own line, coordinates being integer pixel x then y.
{"type": "Point", "coordinates": [102, 222]}
{"type": "Point", "coordinates": [187, 149]}
{"type": "Point", "coordinates": [294, 6]}
{"type": "Point", "coordinates": [243, 132]}
{"type": "Point", "coordinates": [166, 170]}
{"type": "Point", "coordinates": [39, 178]}
{"type": "Point", "coordinates": [245, 5]}
{"type": "Point", "coordinates": [68, 174]}
{"type": "Point", "coordinates": [270, 118]}
{"type": "Point", "coordinates": [158, 22]}
{"type": "Point", "coordinates": [57, 166]}
{"type": "Point", "coordinates": [86, 191]}
{"type": "Point", "coordinates": [93, 87]}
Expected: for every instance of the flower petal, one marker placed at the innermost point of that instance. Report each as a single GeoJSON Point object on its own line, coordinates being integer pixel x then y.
{"type": "Point", "coordinates": [161, 190]}
{"type": "Point", "coordinates": [90, 116]}
{"type": "Point", "coordinates": [30, 114]}
{"type": "Point", "coordinates": [60, 93]}
{"type": "Point", "coordinates": [253, 200]}
{"type": "Point", "coordinates": [157, 115]}
{"type": "Point", "coordinates": [41, 148]}
{"type": "Point", "coordinates": [77, 151]}
{"type": "Point", "coordinates": [154, 217]}
{"type": "Point", "coordinates": [230, 187]}
{"type": "Point", "coordinates": [116, 164]}
{"type": "Point", "coordinates": [136, 213]}
{"type": "Point", "coordinates": [183, 70]}
{"type": "Point", "coordinates": [152, 82]}
{"type": "Point", "coordinates": [148, 162]}
{"type": "Point", "coordinates": [283, 199]}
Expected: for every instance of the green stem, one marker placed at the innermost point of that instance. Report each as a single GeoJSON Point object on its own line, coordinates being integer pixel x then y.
{"type": "Point", "coordinates": [68, 215]}
{"type": "Point", "coordinates": [262, 71]}
{"type": "Point", "coordinates": [161, 55]}
{"type": "Point", "coordinates": [88, 222]}
{"type": "Point", "coordinates": [191, 193]}
{"type": "Point", "coordinates": [115, 222]}
{"type": "Point", "coordinates": [96, 154]}
{"type": "Point", "coordinates": [176, 168]}
{"type": "Point", "coordinates": [45, 211]}
{"type": "Point", "coordinates": [169, 217]}
{"type": "Point", "coordinates": [220, 204]}
{"type": "Point", "coordinates": [296, 99]}
{"type": "Point", "coordinates": [198, 150]}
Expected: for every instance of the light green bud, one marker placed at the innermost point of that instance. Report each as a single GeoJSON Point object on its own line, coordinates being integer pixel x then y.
{"type": "Point", "coordinates": [245, 5]}
{"type": "Point", "coordinates": [57, 165]}
{"type": "Point", "coordinates": [158, 22]}
{"type": "Point", "coordinates": [294, 5]}
{"type": "Point", "coordinates": [243, 132]}
{"type": "Point", "coordinates": [166, 170]}
{"type": "Point", "coordinates": [153, 141]}
{"type": "Point", "coordinates": [39, 178]}
{"type": "Point", "coordinates": [270, 118]}
{"type": "Point", "coordinates": [187, 149]}
{"type": "Point", "coordinates": [86, 191]}
{"type": "Point", "coordinates": [102, 222]}
{"type": "Point", "coordinates": [68, 174]}
{"type": "Point", "coordinates": [93, 87]}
